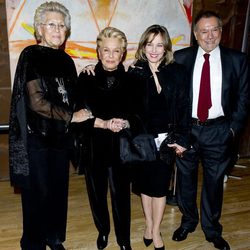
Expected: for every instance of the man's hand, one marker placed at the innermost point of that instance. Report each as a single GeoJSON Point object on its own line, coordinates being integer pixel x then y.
{"type": "Point", "coordinates": [179, 150]}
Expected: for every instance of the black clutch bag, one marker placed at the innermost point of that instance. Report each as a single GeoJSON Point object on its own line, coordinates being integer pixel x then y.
{"type": "Point", "coordinates": [167, 154]}
{"type": "Point", "coordinates": [136, 149]}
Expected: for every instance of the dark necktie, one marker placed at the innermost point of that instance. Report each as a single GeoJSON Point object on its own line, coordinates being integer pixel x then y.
{"type": "Point", "coordinates": [204, 102]}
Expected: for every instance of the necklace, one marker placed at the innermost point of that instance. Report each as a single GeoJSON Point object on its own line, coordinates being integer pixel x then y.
{"type": "Point", "coordinates": [61, 89]}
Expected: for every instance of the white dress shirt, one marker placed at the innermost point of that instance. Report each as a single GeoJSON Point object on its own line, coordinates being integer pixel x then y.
{"type": "Point", "coordinates": [215, 82]}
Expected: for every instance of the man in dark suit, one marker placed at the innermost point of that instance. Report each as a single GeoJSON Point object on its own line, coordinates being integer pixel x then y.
{"type": "Point", "coordinates": [218, 116]}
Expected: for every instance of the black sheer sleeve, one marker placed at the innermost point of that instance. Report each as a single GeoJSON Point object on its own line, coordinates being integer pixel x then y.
{"type": "Point", "coordinates": [39, 104]}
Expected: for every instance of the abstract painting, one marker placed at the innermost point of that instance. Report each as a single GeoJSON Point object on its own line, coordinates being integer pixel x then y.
{"type": "Point", "coordinates": [89, 17]}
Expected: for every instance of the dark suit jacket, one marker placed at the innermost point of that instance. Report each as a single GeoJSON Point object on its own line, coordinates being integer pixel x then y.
{"type": "Point", "coordinates": [235, 82]}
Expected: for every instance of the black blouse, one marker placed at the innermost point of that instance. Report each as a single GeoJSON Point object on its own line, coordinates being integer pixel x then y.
{"type": "Point", "coordinates": [40, 101]}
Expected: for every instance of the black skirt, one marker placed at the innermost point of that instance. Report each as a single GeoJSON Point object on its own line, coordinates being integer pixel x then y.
{"type": "Point", "coordinates": [152, 178]}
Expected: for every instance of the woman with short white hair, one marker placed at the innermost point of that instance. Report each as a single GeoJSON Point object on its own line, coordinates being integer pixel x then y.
{"type": "Point", "coordinates": [39, 139]}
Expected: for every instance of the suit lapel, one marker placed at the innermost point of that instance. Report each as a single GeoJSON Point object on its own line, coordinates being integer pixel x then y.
{"type": "Point", "coordinates": [193, 54]}
{"type": "Point", "coordinates": [225, 66]}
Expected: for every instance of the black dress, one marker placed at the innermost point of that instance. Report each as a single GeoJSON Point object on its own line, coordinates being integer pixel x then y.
{"type": "Point", "coordinates": [161, 113]}
{"type": "Point", "coordinates": [154, 177]}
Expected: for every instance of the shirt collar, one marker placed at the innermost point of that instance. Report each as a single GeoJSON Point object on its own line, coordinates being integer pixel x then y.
{"type": "Point", "coordinates": [214, 53]}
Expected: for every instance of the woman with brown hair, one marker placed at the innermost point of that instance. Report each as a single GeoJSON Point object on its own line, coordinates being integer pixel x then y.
{"type": "Point", "coordinates": [166, 111]}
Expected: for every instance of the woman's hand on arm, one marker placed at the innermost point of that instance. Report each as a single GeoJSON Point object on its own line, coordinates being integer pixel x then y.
{"type": "Point", "coordinates": [89, 69]}
{"type": "Point", "coordinates": [81, 115]}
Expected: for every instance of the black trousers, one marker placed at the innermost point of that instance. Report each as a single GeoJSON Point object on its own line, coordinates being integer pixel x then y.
{"type": "Point", "coordinates": [44, 204]}
{"type": "Point", "coordinates": [97, 180]}
{"type": "Point", "coordinates": [211, 145]}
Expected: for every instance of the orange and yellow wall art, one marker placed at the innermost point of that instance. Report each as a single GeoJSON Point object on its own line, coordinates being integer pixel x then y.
{"type": "Point", "coordinates": [89, 17]}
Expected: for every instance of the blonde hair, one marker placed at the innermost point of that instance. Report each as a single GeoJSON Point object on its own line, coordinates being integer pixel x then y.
{"type": "Point", "coordinates": [111, 32]}
{"type": "Point", "coordinates": [155, 30]}
{"type": "Point", "coordinates": [51, 7]}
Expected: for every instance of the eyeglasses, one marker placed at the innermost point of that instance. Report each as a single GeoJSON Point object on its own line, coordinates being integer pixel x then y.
{"type": "Point", "coordinates": [53, 26]}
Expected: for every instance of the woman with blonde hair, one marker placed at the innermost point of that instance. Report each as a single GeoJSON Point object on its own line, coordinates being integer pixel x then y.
{"type": "Point", "coordinates": [109, 94]}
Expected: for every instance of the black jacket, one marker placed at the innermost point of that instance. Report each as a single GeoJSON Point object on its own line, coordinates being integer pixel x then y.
{"type": "Point", "coordinates": [108, 95]}
{"type": "Point", "coordinates": [40, 68]}
{"type": "Point", "coordinates": [172, 78]}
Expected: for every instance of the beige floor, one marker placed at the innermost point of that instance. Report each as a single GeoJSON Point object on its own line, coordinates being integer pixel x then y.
{"type": "Point", "coordinates": [82, 234]}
